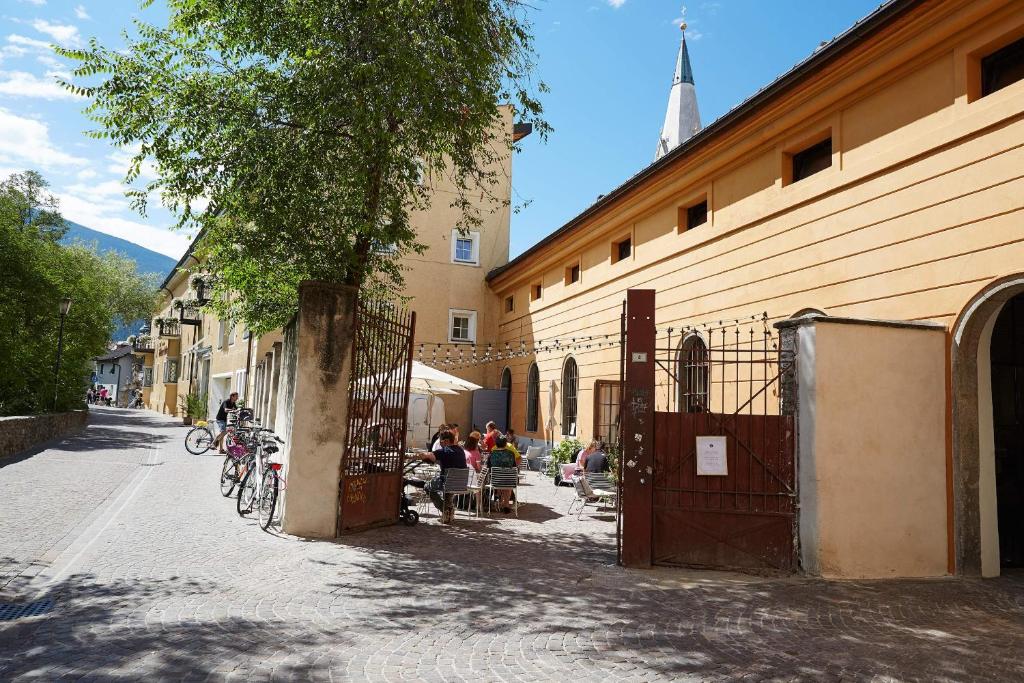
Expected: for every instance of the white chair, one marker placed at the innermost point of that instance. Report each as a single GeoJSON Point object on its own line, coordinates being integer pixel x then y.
{"type": "Point", "coordinates": [533, 454]}
{"type": "Point", "coordinates": [456, 483]}
{"type": "Point", "coordinates": [503, 479]}
{"type": "Point", "coordinates": [586, 495]}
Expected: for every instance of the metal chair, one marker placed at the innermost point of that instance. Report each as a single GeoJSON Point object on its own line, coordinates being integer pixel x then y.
{"type": "Point", "coordinates": [586, 495]}
{"type": "Point", "coordinates": [476, 488]}
{"type": "Point", "coordinates": [503, 479]}
{"type": "Point", "coordinates": [456, 483]}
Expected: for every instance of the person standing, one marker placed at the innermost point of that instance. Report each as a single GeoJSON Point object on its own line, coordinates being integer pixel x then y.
{"type": "Point", "coordinates": [230, 403]}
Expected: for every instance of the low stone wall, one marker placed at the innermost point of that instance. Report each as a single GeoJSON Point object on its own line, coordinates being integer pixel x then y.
{"type": "Point", "coordinates": [19, 433]}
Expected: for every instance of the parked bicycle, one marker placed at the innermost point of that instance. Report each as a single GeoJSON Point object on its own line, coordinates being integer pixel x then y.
{"type": "Point", "coordinates": [261, 481]}
{"type": "Point", "coordinates": [199, 439]}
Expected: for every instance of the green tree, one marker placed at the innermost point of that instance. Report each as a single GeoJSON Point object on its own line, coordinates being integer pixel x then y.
{"type": "Point", "coordinates": [297, 135]}
{"type": "Point", "coordinates": [36, 272]}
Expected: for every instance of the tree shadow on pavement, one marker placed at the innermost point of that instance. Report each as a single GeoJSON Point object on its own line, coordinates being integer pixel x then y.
{"type": "Point", "coordinates": [100, 631]}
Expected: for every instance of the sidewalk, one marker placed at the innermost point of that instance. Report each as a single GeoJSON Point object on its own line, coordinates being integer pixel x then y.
{"type": "Point", "coordinates": [153, 575]}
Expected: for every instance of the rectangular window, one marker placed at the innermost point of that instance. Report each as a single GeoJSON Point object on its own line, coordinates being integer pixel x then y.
{"type": "Point", "coordinates": [572, 273]}
{"type": "Point", "coordinates": [222, 328]}
{"type": "Point", "coordinates": [171, 370]}
{"type": "Point", "coordinates": [461, 326]}
{"type": "Point", "coordinates": [231, 333]}
{"type": "Point", "coordinates": [147, 376]}
{"type": "Point", "coordinates": [535, 291]}
{"type": "Point", "coordinates": [245, 333]}
{"type": "Point", "coordinates": [510, 304]}
{"type": "Point", "coordinates": [697, 215]}
{"type": "Point", "coordinates": [466, 248]}
{"type": "Point", "coordinates": [814, 159]}
{"type": "Point", "coordinates": [1003, 67]}
{"type": "Point", "coordinates": [607, 398]}
{"type": "Point", "coordinates": [241, 377]}
{"type": "Point", "coordinates": [622, 250]}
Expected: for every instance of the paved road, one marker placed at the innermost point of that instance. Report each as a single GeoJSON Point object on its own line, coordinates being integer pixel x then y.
{"type": "Point", "coordinates": [152, 575]}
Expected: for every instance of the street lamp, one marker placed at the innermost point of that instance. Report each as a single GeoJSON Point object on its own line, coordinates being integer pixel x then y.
{"type": "Point", "coordinates": [65, 306]}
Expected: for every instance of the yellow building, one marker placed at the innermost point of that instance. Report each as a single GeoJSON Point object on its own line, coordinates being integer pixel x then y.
{"type": "Point", "coordinates": [880, 179]}
{"type": "Point", "coordinates": [214, 358]}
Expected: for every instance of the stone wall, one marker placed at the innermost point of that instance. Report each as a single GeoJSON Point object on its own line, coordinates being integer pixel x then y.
{"type": "Point", "coordinates": [19, 433]}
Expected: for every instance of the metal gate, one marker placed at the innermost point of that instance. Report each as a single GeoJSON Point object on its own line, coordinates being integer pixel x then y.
{"type": "Point", "coordinates": [371, 468]}
{"type": "Point", "coordinates": [725, 387]}
{"type": "Point", "coordinates": [709, 439]}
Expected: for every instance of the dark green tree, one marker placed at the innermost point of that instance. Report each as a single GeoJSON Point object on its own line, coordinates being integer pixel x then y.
{"type": "Point", "coordinates": [36, 272]}
{"type": "Point", "coordinates": [299, 136]}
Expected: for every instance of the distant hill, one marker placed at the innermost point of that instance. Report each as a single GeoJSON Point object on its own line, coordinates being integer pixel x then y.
{"type": "Point", "coordinates": [146, 261]}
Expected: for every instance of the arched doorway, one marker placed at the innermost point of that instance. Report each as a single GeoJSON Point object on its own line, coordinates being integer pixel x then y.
{"type": "Point", "coordinates": [1007, 363]}
{"type": "Point", "coordinates": [987, 373]}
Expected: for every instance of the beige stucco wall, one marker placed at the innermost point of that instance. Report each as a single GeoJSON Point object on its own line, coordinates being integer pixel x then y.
{"type": "Point", "coordinates": [877, 496]}
{"type": "Point", "coordinates": [921, 208]}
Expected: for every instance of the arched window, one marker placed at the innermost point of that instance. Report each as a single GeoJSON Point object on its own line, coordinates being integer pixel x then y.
{"type": "Point", "coordinates": [532, 398]}
{"type": "Point", "coordinates": [570, 391]}
{"type": "Point", "coordinates": [693, 375]}
{"type": "Point", "coordinates": [506, 379]}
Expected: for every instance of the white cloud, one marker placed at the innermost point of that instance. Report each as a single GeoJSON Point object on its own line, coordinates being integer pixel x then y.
{"type": "Point", "coordinates": [65, 34]}
{"type": "Point", "coordinates": [102, 215]}
{"type": "Point", "coordinates": [23, 41]}
{"type": "Point", "coordinates": [86, 174]}
{"type": "Point", "coordinates": [121, 159]}
{"type": "Point", "coordinates": [37, 3]}
{"type": "Point", "coordinates": [616, 3]}
{"type": "Point", "coordinates": [81, 13]}
{"type": "Point", "coordinates": [24, 84]}
{"type": "Point", "coordinates": [26, 142]}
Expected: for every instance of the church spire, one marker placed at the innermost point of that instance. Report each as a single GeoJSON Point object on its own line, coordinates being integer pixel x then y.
{"type": "Point", "coordinates": [682, 118]}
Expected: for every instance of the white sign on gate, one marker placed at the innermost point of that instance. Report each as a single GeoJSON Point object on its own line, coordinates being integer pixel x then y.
{"type": "Point", "coordinates": [711, 460]}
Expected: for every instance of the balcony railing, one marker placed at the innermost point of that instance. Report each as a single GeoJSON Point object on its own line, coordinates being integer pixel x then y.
{"type": "Point", "coordinates": [169, 328]}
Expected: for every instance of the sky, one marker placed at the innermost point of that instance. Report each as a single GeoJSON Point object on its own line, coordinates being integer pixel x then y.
{"type": "Point", "coordinates": [609, 64]}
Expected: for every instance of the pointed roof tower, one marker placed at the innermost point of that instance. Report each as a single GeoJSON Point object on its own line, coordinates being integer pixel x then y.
{"type": "Point", "coordinates": [682, 118]}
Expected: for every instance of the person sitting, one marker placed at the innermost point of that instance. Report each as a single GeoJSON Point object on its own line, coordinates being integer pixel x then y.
{"type": "Point", "coordinates": [510, 436]}
{"type": "Point", "coordinates": [501, 456]}
{"type": "Point", "coordinates": [435, 441]}
{"type": "Point", "coordinates": [453, 427]}
{"type": "Point", "coordinates": [598, 460]}
{"type": "Point", "coordinates": [472, 448]}
{"type": "Point", "coordinates": [585, 452]}
{"type": "Point", "coordinates": [450, 457]}
{"type": "Point", "coordinates": [490, 436]}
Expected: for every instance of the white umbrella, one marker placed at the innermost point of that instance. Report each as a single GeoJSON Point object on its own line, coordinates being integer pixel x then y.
{"type": "Point", "coordinates": [424, 375]}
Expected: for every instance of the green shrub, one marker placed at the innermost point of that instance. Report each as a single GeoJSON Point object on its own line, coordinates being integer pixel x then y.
{"type": "Point", "coordinates": [562, 453]}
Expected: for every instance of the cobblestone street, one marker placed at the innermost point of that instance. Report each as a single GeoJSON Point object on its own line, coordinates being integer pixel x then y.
{"type": "Point", "coordinates": [152, 575]}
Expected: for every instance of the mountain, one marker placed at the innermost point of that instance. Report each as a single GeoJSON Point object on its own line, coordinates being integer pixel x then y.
{"type": "Point", "coordinates": [146, 261]}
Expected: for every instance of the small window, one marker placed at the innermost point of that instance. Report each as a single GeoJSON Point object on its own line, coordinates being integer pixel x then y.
{"type": "Point", "coordinates": [147, 376]}
{"type": "Point", "coordinates": [1003, 67]}
{"type": "Point", "coordinates": [171, 371]}
{"type": "Point", "coordinates": [572, 274]}
{"type": "Point", "coordinates": [461, 326]}
{"type": "Point", "coordinates": [814, 159]}
{"type": "Point", "coordinates": [466, 247]}
{"type": "Point", "coordinates": [535, 291]}
{"type": "Point", "coordinates": [697, 215]}
{"type": "Point", "coordinates": [510, 304]}
{"type": "Point", "coordinates": [622, 249]}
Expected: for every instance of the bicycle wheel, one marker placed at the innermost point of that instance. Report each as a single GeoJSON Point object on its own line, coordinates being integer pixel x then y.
{"type": "Point", "coordinates": [228, 476]}
{"type": "Point", "coordinates": [247, 493]}
{"type": "Point", "coordinates": [198, 440]}
{"type": "Point", "coordinates": [268, 501]}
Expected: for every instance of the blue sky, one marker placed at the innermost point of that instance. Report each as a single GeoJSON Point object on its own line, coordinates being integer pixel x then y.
{"type": "Point", "coordinates": [609, 64]}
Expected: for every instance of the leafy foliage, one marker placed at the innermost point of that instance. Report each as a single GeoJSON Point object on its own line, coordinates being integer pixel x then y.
{"type": "Point", "coordinates": [36, 272]}
{"type": "Point", "coordinates": [300, 136]}
{"type": "Point", "coordinates": [565, 451]}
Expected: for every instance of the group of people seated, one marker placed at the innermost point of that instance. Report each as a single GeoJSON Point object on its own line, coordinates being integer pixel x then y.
{"type": "Point", "coordinates": [492, 449]}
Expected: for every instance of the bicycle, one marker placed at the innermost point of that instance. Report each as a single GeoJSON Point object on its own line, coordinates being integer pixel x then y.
{"type": "Point", "coordinates": [199, 439]}
{"type": "Point", "coordinates": [262, 481]}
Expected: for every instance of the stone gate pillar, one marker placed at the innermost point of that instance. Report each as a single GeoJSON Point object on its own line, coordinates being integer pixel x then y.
{"type": "Point", "coordinates": [312, 405]}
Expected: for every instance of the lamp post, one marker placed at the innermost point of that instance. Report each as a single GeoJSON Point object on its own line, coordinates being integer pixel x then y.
{"type": "Point", "coordinates": [65, 306]}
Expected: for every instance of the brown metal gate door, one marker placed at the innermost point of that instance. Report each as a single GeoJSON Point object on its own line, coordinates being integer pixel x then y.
{"type": "Point", "coordinates": [736, 509]}
{"type": "Point", "coordinates": [371, 469]}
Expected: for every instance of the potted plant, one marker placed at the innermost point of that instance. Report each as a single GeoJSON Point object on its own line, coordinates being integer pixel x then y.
{"type": "Point", "coordinates": [194, 408]}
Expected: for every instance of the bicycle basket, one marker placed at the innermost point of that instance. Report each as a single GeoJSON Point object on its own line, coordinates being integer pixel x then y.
{"type": "Point", "coordinates": [236, 450]}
